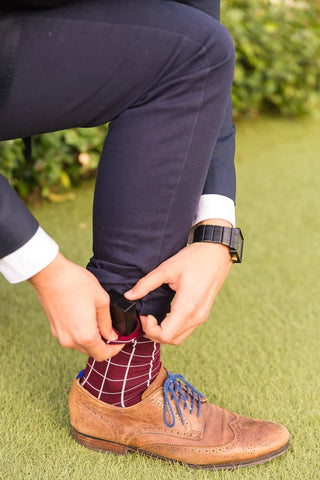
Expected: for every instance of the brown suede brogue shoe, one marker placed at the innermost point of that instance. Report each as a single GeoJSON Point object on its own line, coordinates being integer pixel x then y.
{"type": "Point", "coordinates": [174, 422]}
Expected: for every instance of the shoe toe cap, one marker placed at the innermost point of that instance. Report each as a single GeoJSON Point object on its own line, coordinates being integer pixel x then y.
{"type": "Point", "coordinates": [260, 438]}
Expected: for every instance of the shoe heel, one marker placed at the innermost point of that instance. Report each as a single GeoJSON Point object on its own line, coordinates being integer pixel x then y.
{"type": "Point", "coordinates": [99, 444]}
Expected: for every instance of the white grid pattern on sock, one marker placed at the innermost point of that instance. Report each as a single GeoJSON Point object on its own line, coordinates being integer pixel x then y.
{"type": "Point", "coordinates": [118, 392]}
{"type": "Point", "coordinates": [118, 404]}
{"type": "Point", "coordinates": [126, 374]}
{"type": "Point", "coordinates": [151, 363]}
{"type": "Point", "coordinates": [123, 366]}
{"type": "Point", "coordinates": [104, 379]}
{"type": "Point", "coordinates": [140, 356]}
{"type": "Point", "coordinates": [91, 368]}
{"type": "Point", "coordinates": [149, 376]}
{"type": "Point", "coordinates": [121, 379]}
{"type": "Point", "coordinates": [129, 342]}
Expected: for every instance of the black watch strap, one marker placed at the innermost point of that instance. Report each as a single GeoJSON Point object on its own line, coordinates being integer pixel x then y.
{"type": "Point", "coordinates": [231, 237]}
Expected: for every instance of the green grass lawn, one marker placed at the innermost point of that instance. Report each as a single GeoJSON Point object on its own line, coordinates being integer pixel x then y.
{"type": "Point", "coordinates": [257, 354]}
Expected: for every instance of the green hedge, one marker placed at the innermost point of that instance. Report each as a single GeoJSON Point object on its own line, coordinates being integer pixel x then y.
{"type": "Point", "coordinates": [277, 52]}
{"type": "Point", "coordinates": [60, 160]}
{"type": "Point", "coordinates": [278, 68]}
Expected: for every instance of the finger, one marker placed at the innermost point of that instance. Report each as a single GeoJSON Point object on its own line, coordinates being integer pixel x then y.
{"type": "Point", "coordinates": [148, 283]}
{"type": "Point", "coordinates": [150, 325]}
{"type": "Point", "coordinates": [98, 349]}
{"type": "Point", "coordinates": [110, 350]}
{"type": "Point", "coordinates": [104, 323]}
{"type": "Point", "coordinates": [159, 337]}
{"type": "Point", "coordinates": [82, 350]}
{"type": "Point", "coordinates": [181, 319]}
{"type": "Point", "coordinates": [68, 342]}
{"type": "Point", "coordinates": [114, 349]}
{"type": "Point", "coordinates": [157, 333]}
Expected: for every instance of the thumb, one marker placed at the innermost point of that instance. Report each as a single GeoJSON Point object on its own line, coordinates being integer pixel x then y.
{"type": "Point", "coordinates": [146, 284]}
{"type": "Point", "coordinates": [104, 323]}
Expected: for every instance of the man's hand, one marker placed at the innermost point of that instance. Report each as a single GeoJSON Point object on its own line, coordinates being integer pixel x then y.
{"type": "Point", "coordinates": [77, 308]}
{"type": "Point", "coordinates": [196, 274]}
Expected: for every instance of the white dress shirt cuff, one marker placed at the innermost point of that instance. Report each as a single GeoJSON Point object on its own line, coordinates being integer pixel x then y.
{"type": "Point", "coordinates": [29, 259]}
{"type": "Point", "coordinates": [213, 206]}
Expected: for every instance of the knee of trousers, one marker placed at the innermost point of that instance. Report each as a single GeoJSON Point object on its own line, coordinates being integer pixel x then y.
{"type": "Point", "coordinates": [202, 29]}
{"type": "Point", "coordinates": [210, 53]}
{"type": "Point", "coordinates": [187, 44]}
{"type": "Point", "coordinates": [195, 57]}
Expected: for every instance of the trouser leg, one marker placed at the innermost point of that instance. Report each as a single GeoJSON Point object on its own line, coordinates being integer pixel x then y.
{"type": "Point", "coordinates": [162, 73]}
{"type": "Point", "coordinates": [154, 166]}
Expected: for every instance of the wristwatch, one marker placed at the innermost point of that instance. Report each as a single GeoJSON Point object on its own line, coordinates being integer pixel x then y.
{"type": "Point", "coordinates": [231, 237]}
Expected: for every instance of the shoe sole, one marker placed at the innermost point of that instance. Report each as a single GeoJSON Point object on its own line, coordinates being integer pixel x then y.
{"type": "Point", "coordinates": [119, 449]}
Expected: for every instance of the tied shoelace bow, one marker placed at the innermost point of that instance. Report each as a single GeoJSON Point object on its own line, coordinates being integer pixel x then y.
{"type": "Point", "coordinates": [179, 393]}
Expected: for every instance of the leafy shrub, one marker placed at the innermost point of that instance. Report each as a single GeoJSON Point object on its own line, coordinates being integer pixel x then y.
{"type": "Point", "coordinates": [278, 67]}
{"type": "Point", "coordinates": [277, 52]}
{"type": "Point", "coordinates": [61, 159]}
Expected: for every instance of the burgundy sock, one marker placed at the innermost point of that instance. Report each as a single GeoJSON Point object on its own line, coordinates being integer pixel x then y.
{"type": "Point", "coordinates": [122, 379]}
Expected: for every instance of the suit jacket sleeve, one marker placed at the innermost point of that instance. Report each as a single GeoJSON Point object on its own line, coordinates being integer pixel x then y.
{"type": "Point", "coordinates": [17, 224]}
{"type": "Point", "coordinates": [221, 178]}
{"type": "Point", "coordinates": [25, 248]}
{"type": "Point", "coordinates": [219, 191]}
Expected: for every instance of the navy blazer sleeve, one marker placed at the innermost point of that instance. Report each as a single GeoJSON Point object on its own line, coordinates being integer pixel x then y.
{"type": "Point", "coordinates": [17, 224]}
{"type": "Point", "coordinates": [221, 178]}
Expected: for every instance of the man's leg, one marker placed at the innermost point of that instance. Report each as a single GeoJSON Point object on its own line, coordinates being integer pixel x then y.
{"type": "Point", "coordinates": [163, 73]}
{"type": "Point", "coordinates": [157, 227]}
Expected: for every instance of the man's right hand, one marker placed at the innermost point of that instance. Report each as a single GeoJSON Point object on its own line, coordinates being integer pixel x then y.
{"type": "Point", "coordinates": [77, 308]}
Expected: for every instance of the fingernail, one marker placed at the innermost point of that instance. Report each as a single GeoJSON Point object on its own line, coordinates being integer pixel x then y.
{"type": "Point", "coordinates": [129, 293]}
{"type": "Point", "coordinates": [113, 335]}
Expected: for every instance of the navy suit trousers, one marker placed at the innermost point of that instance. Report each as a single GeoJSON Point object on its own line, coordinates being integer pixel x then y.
{"type": "Point", "coordinates": [161, 72]}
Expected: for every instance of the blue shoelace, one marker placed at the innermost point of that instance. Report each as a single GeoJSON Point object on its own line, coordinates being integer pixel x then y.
{"type": "Point", "coordinates": [179, 393]}
{"type": "Point", "coordinates": [80, 374]}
